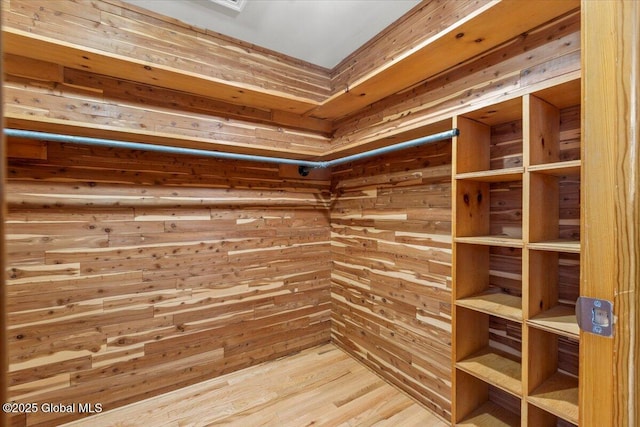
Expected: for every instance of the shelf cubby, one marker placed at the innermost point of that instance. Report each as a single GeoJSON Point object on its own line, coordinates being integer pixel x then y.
{"type": "Point", "coordinates": [490, 210]}
{"type": "Point", "coordinates": [569, 167]}
{"type": "Point", "coordinates": [554, 212]}
{"type": "Point", "coordinates": [552, 128]}
{"type": "Point", "coordinates": [496, 240]}
{"type": "Point", "coordinates": [489, 280]}
{"type": "Point", "coordinates": [559, 245]}
{"type": "Point", "coordinates": [559, 319]}
{"type": "Point", "coordinates": [490, 139]}
{"type": "Point", "coordinates": [494, 367]}
{"type": "Point", "coordinates": [490, 349]}
{"type": "Point", "coordinates": [488, 171]}
{"type": "Point", "coordinates": [553, 374]}
{"type": "Point", "coordinates": [540, 418]}
{"type": "Point", "coordinates": [554, 286]}
{"type": "Point", "coordinates": [482, 405]}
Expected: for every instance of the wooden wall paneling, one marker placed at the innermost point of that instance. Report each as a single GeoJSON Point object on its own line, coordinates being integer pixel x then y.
{"type": "Point", "coordinates": [543, 57]}
{"type": "Point", "coordinates": [431, 17]}
{"type": "Point", "coordinates": [28, 149]}
{"type": "Point", "coordinates": [113, 297]}
{"type": "Point", "coordinates": [123, 90]}
{"type": "Point", "coordinates": [392, 266]}
{"type": "Point", "coordinates": [134, 34]}
{"type": "Point", "coordinates": [90, 110]}
{"type": "Point", "coordinates": [609, 383]}
{"type": "Point", "coordinates": [261, 79]}
{"type": "Point", "coordinates": [463, 39]}
{"type": "Point", "coordinates": [77, 55]}
{"type": "Point", "coordinates": [389, 220]}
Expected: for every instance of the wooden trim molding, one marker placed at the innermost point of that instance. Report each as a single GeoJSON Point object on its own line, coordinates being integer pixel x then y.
{"type": "Point", "coordinates": [609, 390]}
{"type": "Point", "coordinates": [4, 365]}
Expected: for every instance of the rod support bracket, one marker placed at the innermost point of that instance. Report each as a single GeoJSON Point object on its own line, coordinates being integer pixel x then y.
{"type": "Point", "coordinates": [304, 170]}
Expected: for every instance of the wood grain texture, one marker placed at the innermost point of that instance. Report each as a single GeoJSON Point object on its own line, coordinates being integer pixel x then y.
{"type": "Point", "coordinates": [137, 41]}
{"type": "Point", "coordinates": [3, 257]}
{"type": "Point", "coordinates": [539, 58]}
{"type": "Point", "coordinates": [391, 251]}
{"type": "Point", "coordinates": [91, 105]}
{"type": "Point", "coordinates": [431, 17]}
{"type": "Point", "coordinates": [131, 274]}
{"type": "Point", "coordinates": [317, 386]}
{"type": "Point", "coordinates": [157, 265]}
{"type": "Point", "coordinates": [610, 176]}
{"type": "Point", "coordinates": [469, 34]}
{"type": "Point", "coordinates": [504, 280]}
{"type": "Point", "coordinates": [137, 45]}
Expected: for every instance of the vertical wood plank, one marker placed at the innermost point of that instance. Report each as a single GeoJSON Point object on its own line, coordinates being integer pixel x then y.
{"type": "Point", "coordinates": [3, 327]}
{"type": "Point", "coordinates": [544, 207]}
{"type": "Point", "coordinates": [472, 146]}
{"type": "Point", "coordinates": [543, 132]}
{"type": "Point", "coordinates": [609, 389]}
{"type": "Point", "coordinates": [471, 393]}
{"type": "Point", "coordinates": [472, 209]}
{"type": "Point", "coordinates": [391, 272]}
{"type": "Point", "coordinates": [473, 274]}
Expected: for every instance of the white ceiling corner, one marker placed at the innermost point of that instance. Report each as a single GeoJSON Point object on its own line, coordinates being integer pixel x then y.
{"type": "Point", "coordinates": [322, 32]}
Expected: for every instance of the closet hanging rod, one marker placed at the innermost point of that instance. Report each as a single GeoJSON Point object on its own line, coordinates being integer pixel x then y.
{"type": "Point", "coordinates": [303, 165]}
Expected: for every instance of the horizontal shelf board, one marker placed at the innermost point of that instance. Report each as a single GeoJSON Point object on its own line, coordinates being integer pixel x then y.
{"type": "Point", "coordinates": [496, 304]}
{"type": "Point", "coordinates": [570, 246]}
{"type": "Point", "coordinates": [496, 368]}
{"type": "Point", "coordinates": [491, 415]}
{"type": "Point", "coordinates": [559, 396]}
{"type": "Point", "coordinates": [559, 320]}
{"type": "Point", "coordinates": [571, 167]}
{"type": "Point", "coordinates": [496, 175]}
{"type": "Point", "coordinates": [504, 241]}
{"type": "Point", "coordinates": [74, 55]}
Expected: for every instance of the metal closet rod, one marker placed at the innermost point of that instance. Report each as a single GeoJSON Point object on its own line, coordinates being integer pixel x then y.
{"type": "Point", "coordinates": [303, 165]}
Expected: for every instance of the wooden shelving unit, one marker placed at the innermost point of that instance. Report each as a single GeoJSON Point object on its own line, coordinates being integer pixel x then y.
{"type": "Point", "coordinates": [516, 257]}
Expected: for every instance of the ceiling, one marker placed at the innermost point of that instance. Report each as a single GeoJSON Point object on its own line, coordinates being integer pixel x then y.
{"type": "Point", "coordinates": [322, 32]}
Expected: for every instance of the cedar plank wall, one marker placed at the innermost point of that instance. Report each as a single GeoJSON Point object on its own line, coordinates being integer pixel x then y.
{"type": "Point", "coordinates": [532, 59]}
{"type": "Point", "coordinates": [113, 26]}
{"type": "Point", "coordinates": [391, 218]}
{"type": "Point", "coordinates": [42, 91]}
{"type": "Point", "coordinates": [76, 97]}
{"type": "Point", "coordinates": [430, 17]}
{"type": "Point", "coordinates": [132, 274]}
{"type": "Point", "coordinates": [391, 277]}
{"type": "Point", "coordinates": [407, 341]}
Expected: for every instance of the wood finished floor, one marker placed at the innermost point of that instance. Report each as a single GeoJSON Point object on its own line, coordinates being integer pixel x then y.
{"type": "Point", "coordinates": [321, 386]}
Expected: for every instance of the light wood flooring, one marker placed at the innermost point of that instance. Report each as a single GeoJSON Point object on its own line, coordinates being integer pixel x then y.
{"type": "Point", "coordinates": [321, 386]}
